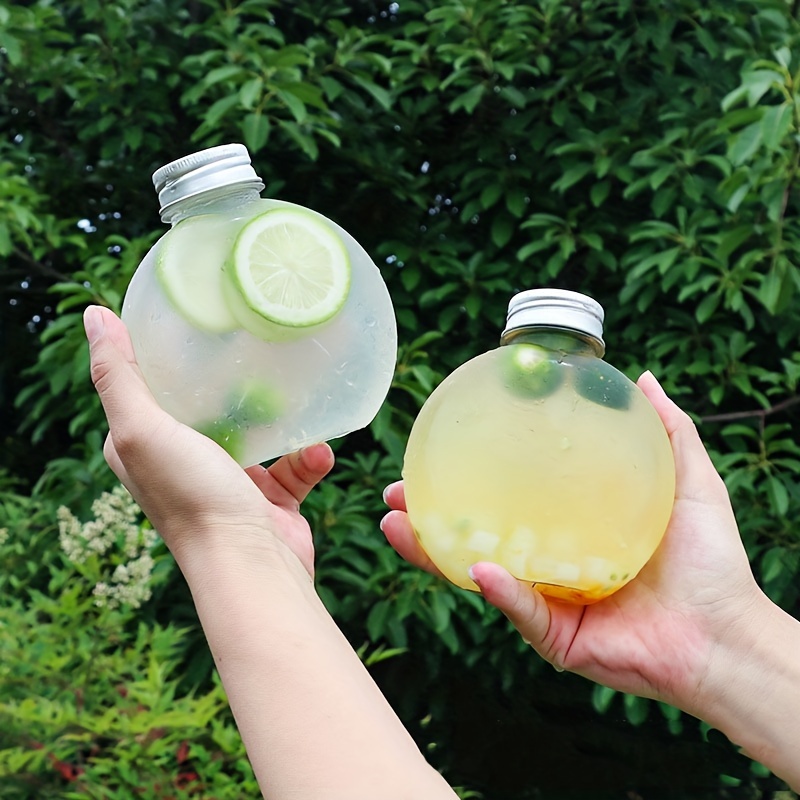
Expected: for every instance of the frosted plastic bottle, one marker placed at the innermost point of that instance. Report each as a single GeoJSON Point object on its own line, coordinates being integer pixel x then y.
{"type": "Point", "coordinates": [542, 457]}
{"type": "Point", "coordinates": [258, 391]}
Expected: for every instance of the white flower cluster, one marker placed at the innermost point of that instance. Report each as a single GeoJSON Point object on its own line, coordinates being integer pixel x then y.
{"type": "Point", "coordinates": [3, 535]}
{"type": "Point", "coordinates": [115, 533]}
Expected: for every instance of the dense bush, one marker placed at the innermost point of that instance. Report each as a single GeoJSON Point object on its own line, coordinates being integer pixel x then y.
{"type": "Point", "coordinates": [642, 151]}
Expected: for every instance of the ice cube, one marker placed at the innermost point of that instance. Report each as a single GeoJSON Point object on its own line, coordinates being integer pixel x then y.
{"type": "Point", "coordinates": [550, 570]}
{"type": "Point", "coordinates": [483, 542]}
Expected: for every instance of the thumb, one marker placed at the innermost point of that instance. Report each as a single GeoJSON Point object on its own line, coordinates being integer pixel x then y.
{"type": "Point", "coordinates": [114, 371]}
{"type": "Point", "coordinates": [695, 475]}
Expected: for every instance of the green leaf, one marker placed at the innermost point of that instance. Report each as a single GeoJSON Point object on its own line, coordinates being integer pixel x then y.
{"type": "Point", "coordinates": [744, 144]}
{"type": "Point", "coordinates": [775, 125]}
{"type": "Point", "coordinates": [599, 192]}
{"type": "Point", "coordinates": [302, 139]}
{"type": "Point", "coordinates": [295, 105]}
{"type": "Point", "coordinates": [602, 697]}
{"type": "Point", "coordinates": [705, 310]}
{"type": "Point", "coordinates": [516, 201]}
{"type": "Point", "coordinates": [778, 496]}
{"type": "Point", "coordinates": [250, 91]}
{"type": "Point", "coordinates": [383, 97]}
{"type": "Point", "coordinates": [502, 229]}
{"type": "Point", "coordinates": [468, 100]}
{"type": "Point", "coordinates": [637, 709]}
{"type": "Point", "coordinates": [255, 129]}
{"type": "Point", "coordinates": [571, 176]}
{"type": "Point", "coordinates": [221, 74]}
{"type": "Point", "coordinates": [755, 84]}
{"type": "Point", "coordinates": [376, 620]}
{"type": "Point", "coordinates": [773, 563]}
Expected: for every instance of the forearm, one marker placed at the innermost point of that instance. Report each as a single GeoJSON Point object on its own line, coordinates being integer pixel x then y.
{"type": "Point", "coordinates": [752, 693]}
{"type": "Point", "coordinates": [312, 719]}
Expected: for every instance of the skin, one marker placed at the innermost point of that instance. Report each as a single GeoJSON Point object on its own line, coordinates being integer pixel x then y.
{"type": "Point", "coordinates": [313, 722]}
{"type": "Point", "coordinates": [693, 629]}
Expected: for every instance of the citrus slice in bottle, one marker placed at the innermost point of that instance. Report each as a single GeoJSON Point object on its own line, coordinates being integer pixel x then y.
{"type": "Point", "coordinates": [189, 261]}
{"type": "Point", "coordinates": [291, 268]}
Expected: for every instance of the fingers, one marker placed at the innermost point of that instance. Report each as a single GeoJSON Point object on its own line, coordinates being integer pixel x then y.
{"type": "Point", "coordinates": [394, 496]}
{"type": "Point", "coordinates": [295, 474]}
{"type": "Point", "coordinates": [525, 608]}
{"type": "Point", "coordinates": [696, 477]}
{"type": "Point", "coordinates": [397, 529]}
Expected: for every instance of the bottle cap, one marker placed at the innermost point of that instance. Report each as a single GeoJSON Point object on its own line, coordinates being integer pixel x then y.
{"type": "Point", "coordinates": [212, 168]}
{"type": "Point", "coordinates": [555, 308]}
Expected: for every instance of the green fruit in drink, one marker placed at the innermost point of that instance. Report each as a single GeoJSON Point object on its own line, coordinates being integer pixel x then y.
{"type": "Point", "coordinates": [251, 404]}
{"type": "Point", "coordinates": [291, 268]}
{"type": "Point", "coordinates": [529, 370]}
{"type": "Point", "coordinates": [227, 433]}
{"type": "Point", "coordinates": [256, 403]}
{"type": "Point", "coordinates": [189, 261]}
{"type": "Point", "coordinates": [602, 384]}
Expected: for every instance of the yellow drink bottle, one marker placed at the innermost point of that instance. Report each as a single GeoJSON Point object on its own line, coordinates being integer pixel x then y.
{"type": "Point", "coordinates": [542, 457]}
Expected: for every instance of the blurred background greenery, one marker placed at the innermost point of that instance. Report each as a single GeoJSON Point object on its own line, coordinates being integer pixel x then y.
{"type": "Point", "coordinates": [644, 152]}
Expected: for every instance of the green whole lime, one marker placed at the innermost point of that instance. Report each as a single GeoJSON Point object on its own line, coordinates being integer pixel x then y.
{"type": "Point", "coordinates": [251, 404]}
{"type": "Point", "coordinates": [227, 433]}
{"type": "Point", "coordinates": [530, 371]}
{"type": "Point", "coordinates": [602, 384]}
{"type": "Point", "coordinates": [254, 402]}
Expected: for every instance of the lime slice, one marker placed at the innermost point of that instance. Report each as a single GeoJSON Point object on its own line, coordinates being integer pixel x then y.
{"type": "Point", "coordinates": [291, 267]}
{"type": "Point", "coordinates": [189, 261]}
{"type": "Point", "coordinates": [529, 370]}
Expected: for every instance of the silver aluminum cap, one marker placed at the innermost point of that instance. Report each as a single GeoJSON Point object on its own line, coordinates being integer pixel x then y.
{"type": "Point", "coordinates": [199, 172]}
{"type": "Point", "coordinates": [555, 308]}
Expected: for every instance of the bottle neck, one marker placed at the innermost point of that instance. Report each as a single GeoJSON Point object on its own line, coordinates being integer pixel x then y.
{"type": "Point", "coordinates": [212, 201]}
{"type": "Point", "coordinates": [561, 340]}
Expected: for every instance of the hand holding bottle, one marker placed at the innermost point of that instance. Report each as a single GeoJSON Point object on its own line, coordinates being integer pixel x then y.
{"type": "Point", "coordinates": [312, 720]}
{"type": "Point", "coordinates": [692, 629]}
{"type": "Point", "coordinates": [195, 495]}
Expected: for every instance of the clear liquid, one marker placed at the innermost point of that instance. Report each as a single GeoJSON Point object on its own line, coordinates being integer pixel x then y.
{"type": "Point", "coordinates": [324, 384]}
{"type": "Point", "coordinates": [568, 493]}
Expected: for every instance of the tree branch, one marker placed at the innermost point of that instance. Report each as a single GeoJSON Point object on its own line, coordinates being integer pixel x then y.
{"type": "Point", "coordinates": [759, 413]}
{"type": "Point", "coordinates": [39, 267]}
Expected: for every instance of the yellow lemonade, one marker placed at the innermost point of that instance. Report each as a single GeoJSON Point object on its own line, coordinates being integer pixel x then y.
{"type": "Point", "coordinates": [545, 459]}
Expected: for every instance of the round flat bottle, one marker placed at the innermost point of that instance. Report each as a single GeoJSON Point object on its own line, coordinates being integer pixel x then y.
{"type": "Point", "coordinates": [258, 388]}
{"type": "Point", "coordinates": [542, 457]}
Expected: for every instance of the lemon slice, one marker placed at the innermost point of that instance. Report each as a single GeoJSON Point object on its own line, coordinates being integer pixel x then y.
{"type": "Point", "coordinates": [291, 268]}
{"type": "Point", "coordinates": [189, 261]}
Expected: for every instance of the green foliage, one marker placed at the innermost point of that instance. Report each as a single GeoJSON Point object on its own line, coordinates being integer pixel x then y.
{"type": "Point", "coordinates": [91, 697]}
{"type": "Point", "coordinates": [645, 153]}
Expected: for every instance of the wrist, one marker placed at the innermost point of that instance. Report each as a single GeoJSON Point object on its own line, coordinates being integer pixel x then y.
{"type": "Point", "coordinates": [217, 556]}
{"type": "Point", "coordinates": [749, 691]}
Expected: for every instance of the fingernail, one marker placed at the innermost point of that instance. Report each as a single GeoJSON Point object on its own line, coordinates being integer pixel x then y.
{"type": "Point", "coordinates": [472, 577]}
{"type": "Point", "coordinates": [381, 523]}
{"type": "Point", "coordinates": [93, 323]}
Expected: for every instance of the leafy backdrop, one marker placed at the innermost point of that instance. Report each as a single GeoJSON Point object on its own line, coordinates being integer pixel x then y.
{"type": "Point", "coordinates": [645, 152]}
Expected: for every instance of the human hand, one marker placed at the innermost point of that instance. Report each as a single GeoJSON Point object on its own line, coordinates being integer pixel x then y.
{"type": "Point", "coordinates": [192, 491]}
{"type": "Point", "coordinates": [655, 637]}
